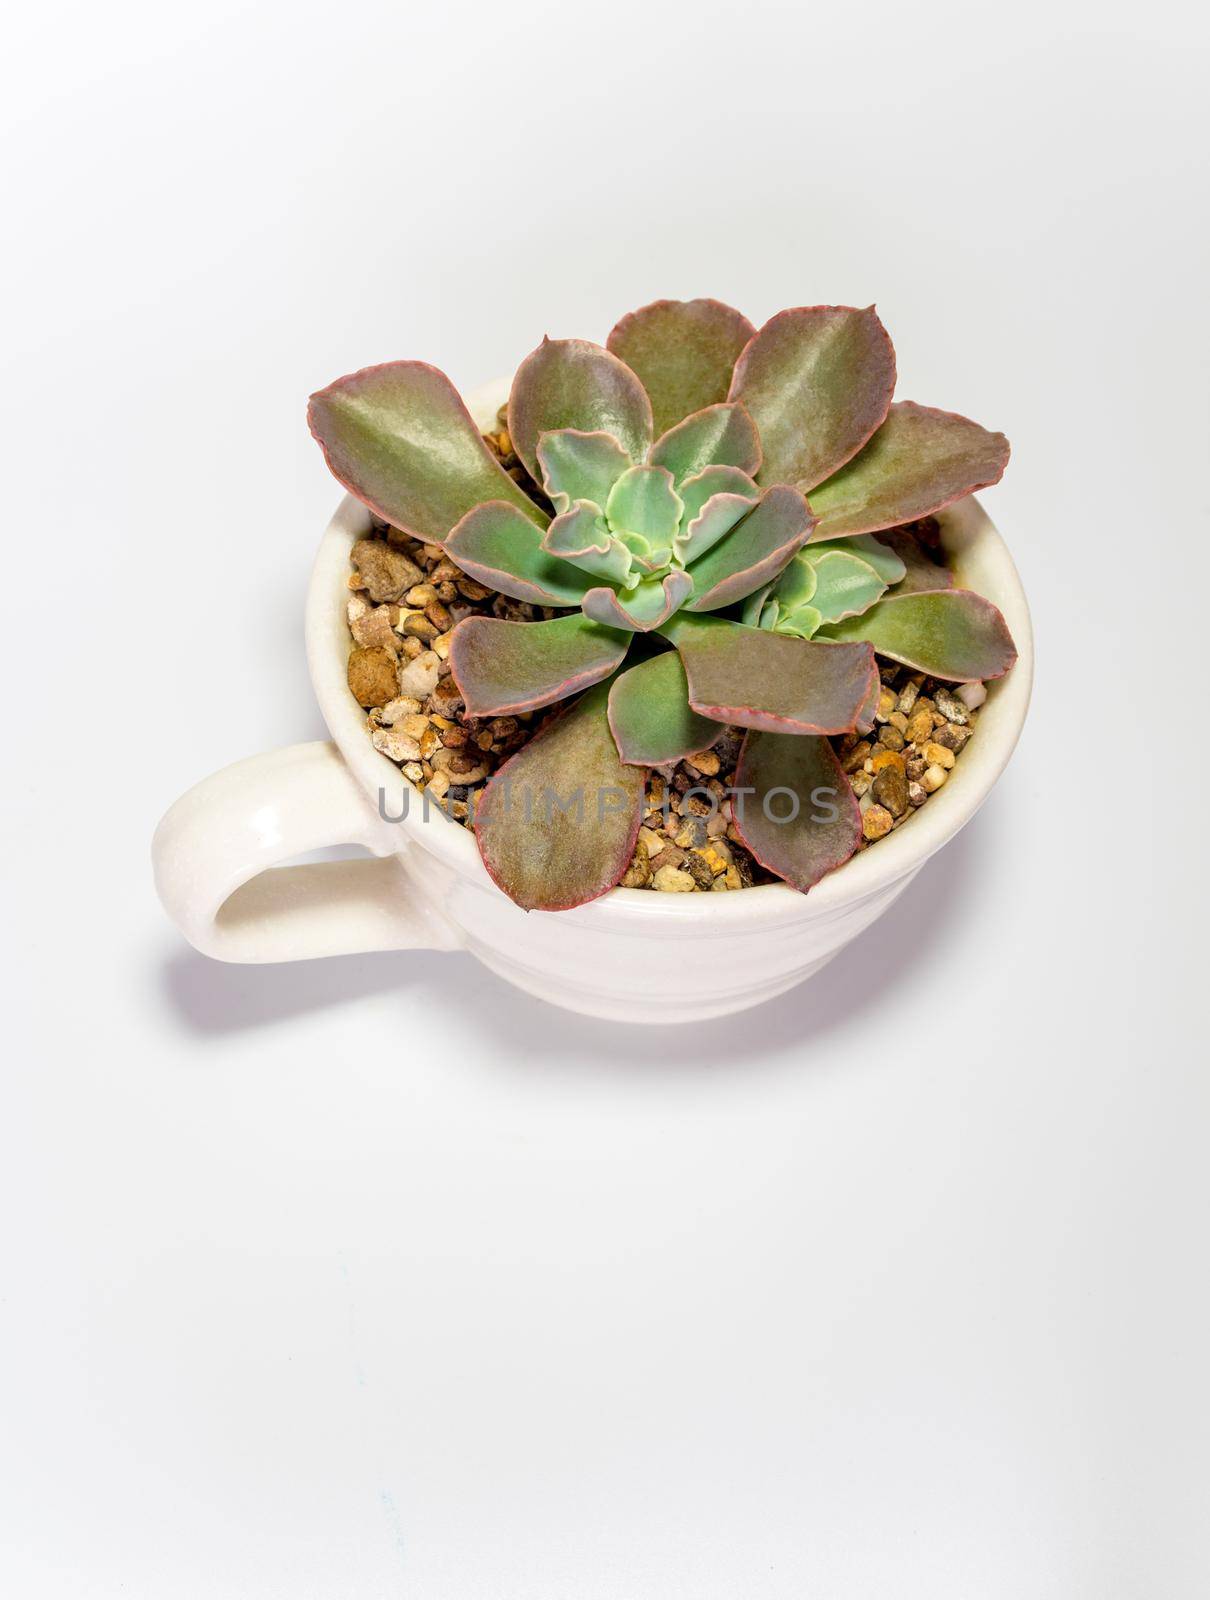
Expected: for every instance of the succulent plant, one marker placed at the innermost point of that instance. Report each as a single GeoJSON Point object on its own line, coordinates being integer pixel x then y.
{"type": "Point", "coordinates": [708, 498]}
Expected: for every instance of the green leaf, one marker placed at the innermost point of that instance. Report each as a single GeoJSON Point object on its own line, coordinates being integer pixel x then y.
{"type": "Point", "coordinates": [502, 667]}
{"type": "Point", "coordinates": [919, 461]}
{"type": "Point", "coordinates": [886, 562]}
{"type": "Point", "coordinates": [683, 351]}
{"type": "Point", "coordinates": [802, 820]}
{"type": "Point", "coordinates": [845, 585]}
{"type": "Point", "coordinates": [803, 621]}
{"type": "Point", "coordinates": [570, 383]}
{"type": "Point", "coordinates": [581, 536]}
{"type": "Point", "coordinates": [580, 466]}
{"type": "Point", "coordinates": [754, 551]}
{"type": "Point", "coordinates": [722, 436]}
{"type": "Point", "coordinates": [818, 381]}
{"type": "Point", "coordinates": [644, 501]}
{"type": "Point", "coordinates": [952, 634]}
{"type": "Point", "coordinates": [767, 680]}
{"type": "Point", "coordinates": [641, 609]}
{"type": "Point", "coordinates": [497, 546]}
{"type": "Point", "coordinates": [400, 439]}
{"type": "Point", "coordinates": [797, 583]}
{"type": "Point", "coordinates": [652, 720]}
{"type": "Point", "coordinates": [557, 824]}
{"type": "Point", "coordinates": [714, 500]}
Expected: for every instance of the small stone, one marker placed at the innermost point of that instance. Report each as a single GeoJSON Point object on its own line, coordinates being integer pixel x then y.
{"type": "Point", "coordinates": [898, 720]}
{"type": "Point", "coordinates": [417, 626]}
{"type": "Point", "coordinates": [920, 725]}
{"type": "Point", "coordinates": [856, 756]}
{"type": "Point", "coordinates": [951, 736]}
{"type": "Point", "coordinates": [384, 571]}
{"type": "Point", "coordinates": [890, 790]}
{"type": "Point", "coordinates": [373, 676]}
{"type": "Point", "coordinates": [972, 695]}
{"type": "Point", "coordinates": [715, 858]}
{"type": "Point", "coordinates": [699, 870]}
{"type": "Point", "coordinates": [917, 794]}
{"type": "Point", "coordinates": [420, 677]}
{"type": "Point", "coordinates": [882, 759]}
{"type": "Point", "coordinates": [876, 823]}
{"type": "Point", "coordinates": [933, 778]}
{"type": "Point", "coordinates": [462, 767]}
{"type": "Point", "coordinates": [438, 784]}
{"type": "Point", "coordinates": [403, 706]}
{"type": "Point", "coordinates": [669, 855]}
{"type": "Point", "coordinates": [889, 737]}
{"type": "Point", "coordinates": [413, 771]}
{"type": "Point", "coordinates": [914, 767]}
{"type": "Point", "coordinates": [908, 694]}
{"type": "Point", "coordinates": [705, 762]}
{"type": "Point", "coordinates": [886, 704]}
{"type": "Point", "coordinates": [373, 630]}
{"type": "Point", "coordinates": [396, 744]}
{"type": "Point", "coordinates": [671, 880]}
{"type": "Point", "coordinates": [949, 705]}
{"type": "Point", "coordinates": [651, 841]}
{"type": "Point", "coordinates": [860, 782]}
{"type": "Point", "coordinates": [937, 755]}
{"type": "Point", "coordinates": [692, 833]}
{"type": "Point", "coordinates": [638, 873]}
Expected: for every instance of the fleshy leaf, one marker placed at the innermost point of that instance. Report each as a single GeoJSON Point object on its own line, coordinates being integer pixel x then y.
{"type": "Point", "coordinates": [714, 502]}
{"type": "Point", "coordinates": [648, 606]}
{"type": "Point", "coordinates": [886, 562]}
{"type": "Point", "coordinates": [952, 634]}
{"type": "Point", "coordinates": [723, 436]}
{"type": "Point", "coordinates": [649, 712]}
{"type": "Point", "coordinates": [496, 545]}
{"type": "Point", "coordinates": [644, 501]}
{"type": "Point", "coordinates": [754, 551]}
{"type": "Point", "coordinates": [845, 586]}
{"type": "Point", "coordinates": [582, 537]}
{"type": "Point", "coordinates": [767, 680]}
{"type": "Point", "coordinates": [803, 621]}
{"type": "Point", "coordinates": [919, 461]}
{"type": "Point", "coordinates": [580, 466]}
{"type": "Point", "coordinates": [754, 605]}
{"type": "Point", "coordinates": [802, 820]}
{"type": "Point", "coordinates": [557, 824]}
{"type": "Point", "coordinates": [502, 667]}
{"type": "Point", "coordinates": [683, 351]}
{"type": "Point", "coordinates": [399, 438]}
{"type": "Point", "coordinates": [571, 383]}
{"type": "Point", "coordinates": [818, 381]}
{"type": "Point", "coordinates": [797, 583]}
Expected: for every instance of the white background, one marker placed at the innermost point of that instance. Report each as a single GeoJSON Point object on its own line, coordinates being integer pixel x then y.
{"type": "Point", "coordinates": [374, 1278]}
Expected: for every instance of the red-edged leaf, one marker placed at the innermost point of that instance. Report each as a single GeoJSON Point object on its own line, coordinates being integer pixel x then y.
{"type": "Point", "coordinates": [818, 381]}
{"type": "Point", "coordinates": [771, 680]}
{"type": "Point", "coordinates": [502, 667]}
{"type": "Point", "coordinates": [641, 609]}
{"type": "Point", "coordinates": [399, 438]}
{"type": "Point", "coordinates": [684, 352]}
{"type": "Point", "coordinates": [719, 436]}
{"type": "Point", "coordinates": [498, 546]}
{"type": "Point", "coordinates": [557, 824]}
{"type": "Point", "coordinates": [919, 461]}
{"type": "Point", "coordinates": [802, 821]}
{"type": "Point", "coordinates": [952, 634]}
{"type": "Point", "coordinates": [652, 720]}
{"type": "Point", "coordinates": [571, 383]}
{"type": "Point", "coordinates": [753, 552]}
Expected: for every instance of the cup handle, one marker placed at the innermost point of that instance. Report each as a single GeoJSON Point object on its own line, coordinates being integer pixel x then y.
{"type": "Point", "coordinates": [216, 856]}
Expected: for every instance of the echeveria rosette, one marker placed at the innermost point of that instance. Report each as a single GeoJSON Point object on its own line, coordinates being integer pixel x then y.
{"type": "Point", "coordinates": [694, 465]}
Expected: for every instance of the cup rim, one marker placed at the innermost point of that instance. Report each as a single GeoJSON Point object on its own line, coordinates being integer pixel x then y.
{"type": "Point", "coordinates": [979, 556]}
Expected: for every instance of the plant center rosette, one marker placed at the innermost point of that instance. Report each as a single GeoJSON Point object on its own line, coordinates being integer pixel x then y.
{"type": "Point", "coordinates": [712, 500]}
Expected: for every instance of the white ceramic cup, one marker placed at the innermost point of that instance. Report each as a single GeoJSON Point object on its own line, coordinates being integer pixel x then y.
{"type": "Point", "coordinates": [633, 955]}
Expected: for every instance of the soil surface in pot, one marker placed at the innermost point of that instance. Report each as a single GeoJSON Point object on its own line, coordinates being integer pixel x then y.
{"type": "Point", "coordinates": [406, 597]}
